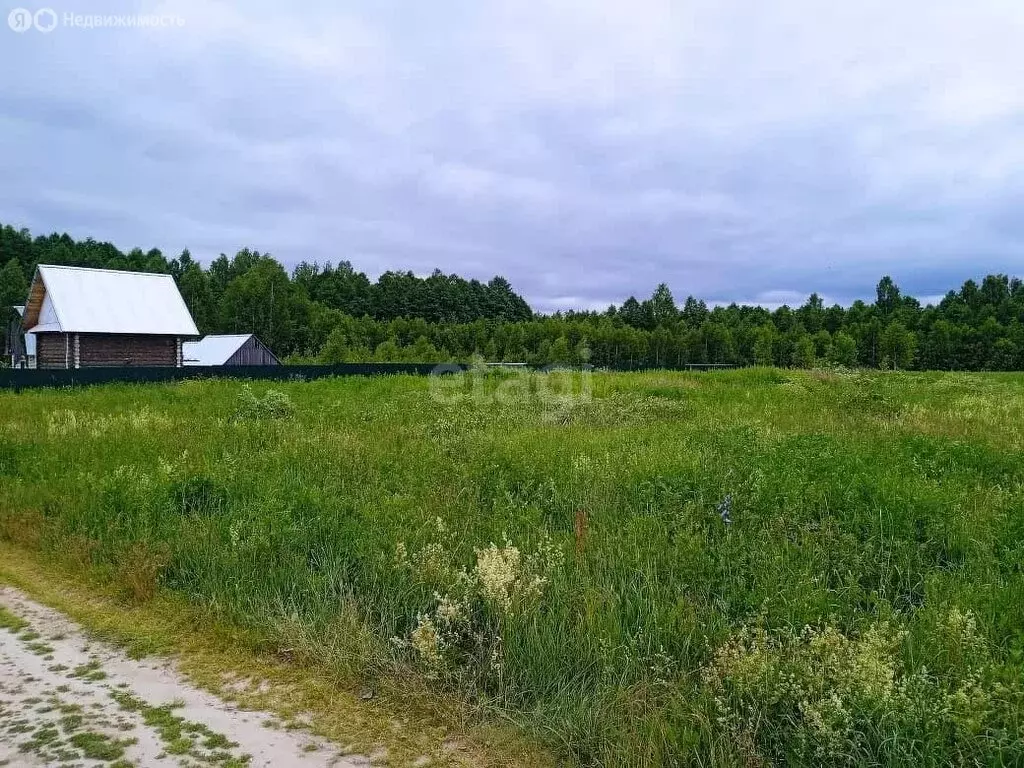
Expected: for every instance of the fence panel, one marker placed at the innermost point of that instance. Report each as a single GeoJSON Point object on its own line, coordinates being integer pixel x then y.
{"type": "Point", "coordinates": [17, 379]}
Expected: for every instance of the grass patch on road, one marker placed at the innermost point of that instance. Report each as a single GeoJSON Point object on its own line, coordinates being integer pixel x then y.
{"type": "Point", "coordinates": [11, 621]}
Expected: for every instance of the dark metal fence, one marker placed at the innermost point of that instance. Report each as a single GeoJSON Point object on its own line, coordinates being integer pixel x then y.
{"type": "Point", "coordinates": [17, 379]}
{"type": "Point", "coordinates": [20, 378]}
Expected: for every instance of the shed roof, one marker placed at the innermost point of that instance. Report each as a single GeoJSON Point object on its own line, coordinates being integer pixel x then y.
{"type": "Point", "coordinates": [213, 350]}
{"type": "Point", "coordinates": [82, 300]}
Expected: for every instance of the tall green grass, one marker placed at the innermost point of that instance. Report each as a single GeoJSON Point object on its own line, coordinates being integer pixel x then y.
{"type": "Point", "coordinates": [566, 563]}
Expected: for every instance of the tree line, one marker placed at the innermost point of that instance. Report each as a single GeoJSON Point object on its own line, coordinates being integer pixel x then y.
{"type": "Point", "coordinates": [334, 313]}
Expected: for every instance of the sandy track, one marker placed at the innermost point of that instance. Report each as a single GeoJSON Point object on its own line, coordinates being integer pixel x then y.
{"type": "Point", "coordinates": [67, 700]}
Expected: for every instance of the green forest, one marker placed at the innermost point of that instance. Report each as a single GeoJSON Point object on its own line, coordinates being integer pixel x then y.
{"type": "Point", "coordinates": [334, 313]}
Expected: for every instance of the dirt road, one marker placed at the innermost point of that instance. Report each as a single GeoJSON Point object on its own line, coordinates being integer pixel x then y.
{"type": "Point", "coordinates": [68, 700]}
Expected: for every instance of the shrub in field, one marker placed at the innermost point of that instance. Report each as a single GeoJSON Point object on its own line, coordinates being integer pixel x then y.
{"type": "Point", "coordinates": [273, 405]}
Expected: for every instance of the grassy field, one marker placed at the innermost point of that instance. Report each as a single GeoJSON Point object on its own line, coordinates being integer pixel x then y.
{"type": "Point", "coordinates": [745, 567]}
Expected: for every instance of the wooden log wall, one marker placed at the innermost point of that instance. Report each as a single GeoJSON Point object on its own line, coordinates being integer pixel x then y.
{"type": "Point", "coordinates": [51, 351]}
{"type": "Point", "coordinates": [102, 350]}
{"type": "Point", "coordinates": [106, 350]}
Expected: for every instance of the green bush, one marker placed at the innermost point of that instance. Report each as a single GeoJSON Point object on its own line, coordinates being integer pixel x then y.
{"type": "Point", "coordinates": [273, 405]}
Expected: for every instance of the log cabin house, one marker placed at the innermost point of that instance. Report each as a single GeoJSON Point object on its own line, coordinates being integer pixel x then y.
{"type": "Point", "coordinates": [91, 318]}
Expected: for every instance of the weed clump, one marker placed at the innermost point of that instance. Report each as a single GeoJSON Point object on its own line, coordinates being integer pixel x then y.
{"type": "Point", "coordinates": [11, 621]}
{"type": "Point", "coordinates": [460, 636]}
{"type": "Point", "coordinates": [97, 746]}
{"type": "Point", "coordinates": [273, 405]}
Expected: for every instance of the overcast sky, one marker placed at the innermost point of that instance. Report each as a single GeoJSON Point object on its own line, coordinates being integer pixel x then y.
{"type": "Point", "coordinates": [585, 149]}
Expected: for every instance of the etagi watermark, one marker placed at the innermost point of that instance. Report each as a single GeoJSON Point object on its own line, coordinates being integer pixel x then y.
{"type": "Point", "coordinates": [46, 20]}
{"type": "Point", "coordinates": [551, 386]}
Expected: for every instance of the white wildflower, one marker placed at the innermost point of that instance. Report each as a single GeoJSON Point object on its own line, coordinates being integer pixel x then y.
{"type": "Point", "coordinates": [449, 611]}
{"type": "Point", "coordinates": [497, 570]}
{"type": "Point", "coordinates": [433, 561]}
{"type": "Point", "coordinates": [426, 641]}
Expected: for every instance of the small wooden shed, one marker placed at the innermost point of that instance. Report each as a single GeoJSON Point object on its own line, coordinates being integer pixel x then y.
{"type": "Point", "coordinates": [19, 347]}
{"type": "Point", "coordinates": [242, 349]}
{"type": "Point", "coordinates": [89, 318]}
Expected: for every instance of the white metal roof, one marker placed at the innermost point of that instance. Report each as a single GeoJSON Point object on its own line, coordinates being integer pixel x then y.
{"type": "Point", "coordinates": [212, 350]}
{"type": "Point", "coordinates": [85, 300]}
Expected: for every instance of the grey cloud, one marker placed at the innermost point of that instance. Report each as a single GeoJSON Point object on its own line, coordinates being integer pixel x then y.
{"type": "Point", "coordinates": [585, 150]}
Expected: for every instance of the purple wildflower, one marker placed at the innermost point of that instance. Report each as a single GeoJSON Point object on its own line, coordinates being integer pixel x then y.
{"type": "Point", "coordinates": [725, 509]}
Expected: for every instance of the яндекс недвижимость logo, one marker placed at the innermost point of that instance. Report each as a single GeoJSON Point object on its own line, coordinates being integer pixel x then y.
{"type": "Point", "coordinates": [46, 20]}
{"type": "Point", "coordinates": [22, 20]}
